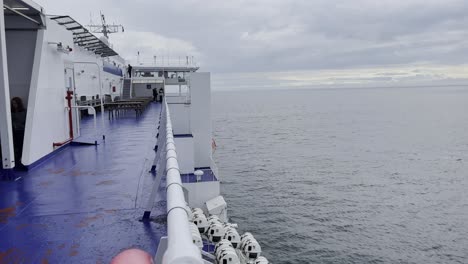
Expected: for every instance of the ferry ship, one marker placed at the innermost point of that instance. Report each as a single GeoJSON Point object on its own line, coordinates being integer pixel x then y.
{"type": "Point", "coordinates": [100, 159]}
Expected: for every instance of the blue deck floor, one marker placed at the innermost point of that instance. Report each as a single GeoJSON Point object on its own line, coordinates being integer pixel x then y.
{"type": "Point", "coordinates": [208, 176]}
{"type": "Point", "coordinates": [82, 205]}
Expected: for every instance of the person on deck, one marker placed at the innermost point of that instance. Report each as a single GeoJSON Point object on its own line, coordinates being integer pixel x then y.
{"type": "Point", "coordinates": [155, 95]}
{"type": "Point", "coordinates": [161, 94]}
{"type": "Point", "coordinates": [18, 121]}
{"type": "Point", "coordinates": [129, 70]}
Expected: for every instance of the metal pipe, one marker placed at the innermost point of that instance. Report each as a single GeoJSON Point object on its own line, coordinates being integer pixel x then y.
{"type": "Point", "coordinates": [181, 249]}
{"type": "Point", "coordinates": [70, 117]}
{"type": "Point", "coordinates": [69, 97]}
{"type": "Point", "coordinates": [59, 144]}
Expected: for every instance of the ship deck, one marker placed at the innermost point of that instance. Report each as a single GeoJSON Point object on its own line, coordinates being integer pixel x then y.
{"type": "Point", "coordinates": [82, 204]}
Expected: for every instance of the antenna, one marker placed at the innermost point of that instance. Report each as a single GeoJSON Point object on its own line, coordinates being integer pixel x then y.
{"type": "Point", "coordinates": [105, 28]}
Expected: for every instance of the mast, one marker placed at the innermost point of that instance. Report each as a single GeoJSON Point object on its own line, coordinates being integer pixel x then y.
{"type": "Point", "coordinates": [105, 28]}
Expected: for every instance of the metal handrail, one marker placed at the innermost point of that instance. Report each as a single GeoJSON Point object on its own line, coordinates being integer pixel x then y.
{"type": "Point", "coordinates": [181, 249]}
{"type": "Point", "coordinates": [162, 61]}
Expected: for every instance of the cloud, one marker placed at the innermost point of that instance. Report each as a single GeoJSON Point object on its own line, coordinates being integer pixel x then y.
{"type": "Point", "coordinates": [246, 36]}
{"type": "Point", "coordinates": [150, 44]}
{"type": "Point", "coordinates": [395, 76]}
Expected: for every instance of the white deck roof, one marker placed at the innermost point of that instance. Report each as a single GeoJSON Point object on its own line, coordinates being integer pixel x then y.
{"type": "Point", "coordinates": [25, 8]}
{"type": "Point", "coordinates": [83, 38]}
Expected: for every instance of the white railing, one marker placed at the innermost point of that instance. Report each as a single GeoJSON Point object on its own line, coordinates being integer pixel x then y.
{"type": "Point", "coordinates": [158, 61]}
{"type": "Point", "coordinates": [180, 247]}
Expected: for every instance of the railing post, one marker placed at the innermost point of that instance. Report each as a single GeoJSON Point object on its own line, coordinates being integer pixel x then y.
{"type": "Point", "coordinates": [160, 164]}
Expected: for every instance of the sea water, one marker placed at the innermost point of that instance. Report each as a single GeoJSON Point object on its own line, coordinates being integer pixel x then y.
{"type": "Point", "coordinates": [347, 175]}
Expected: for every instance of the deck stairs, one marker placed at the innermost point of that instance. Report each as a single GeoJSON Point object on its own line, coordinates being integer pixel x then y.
{"type": "Point", "coordinates": [126, 88]}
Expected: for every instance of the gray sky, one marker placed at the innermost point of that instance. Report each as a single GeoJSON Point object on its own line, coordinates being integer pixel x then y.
{"type": "Point", "coordinates": [294, 43]}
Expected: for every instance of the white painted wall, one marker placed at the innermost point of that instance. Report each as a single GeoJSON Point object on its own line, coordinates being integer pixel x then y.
{"type": "Point", "coordinates": [110, 81]}
{"type": "Point", "coordinates": [87, 77]}
{"type": "Point", "coordinates": [140, 89]}
{"type": "Point", "coordinates": [171, 99]}
{"type": "Point", "coordinates": [47, 121]}
{"type": "Point", "coordinates": [185, 154]}
{"type": "Point", "coordinates": [180, 117]}
{"type": "Point", "coordinates": [200, 87]}
{"type": "Point", "coordinates": [200, 192]}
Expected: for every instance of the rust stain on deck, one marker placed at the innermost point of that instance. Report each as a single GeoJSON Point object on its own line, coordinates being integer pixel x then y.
{"type": "Point", "coordinates": [74, 250]}
{"type": "Point", "coordinates": [6, 214]}
{"type": "Point", "coordinates": [56, 171]}
{"type": "Point", "coordinates": [11, 255]}
{"type": "Point", "coordinates": [45, 183]}
{"type": "Point", "coordinates": [76, 173]}
{"type": "Point", "coordinates": [108, 182]}
{"type": "Point", "coordinates": [88, 220]}
{"type": "Point", "coordinates": [21, 226]}
{"type": "Point", "coordinates": [25, 225]}
{"type": "Point", "coordinates": [45, 259]}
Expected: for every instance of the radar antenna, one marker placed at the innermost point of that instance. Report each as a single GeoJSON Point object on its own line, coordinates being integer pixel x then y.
{"type": "Point", "coordinates": [105, 28]}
